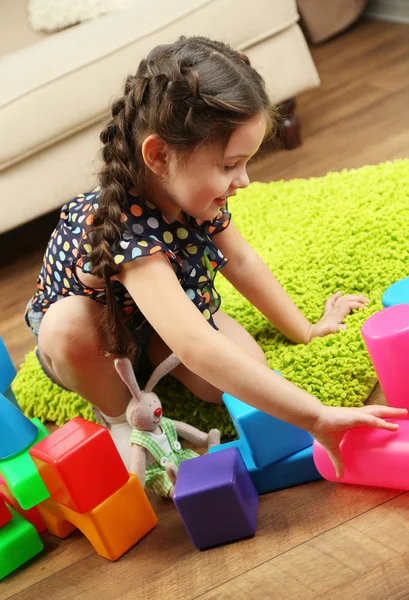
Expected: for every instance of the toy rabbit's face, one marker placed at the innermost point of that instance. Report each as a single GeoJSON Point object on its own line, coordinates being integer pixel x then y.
{"type": "Point", "coordinates": [146, 413]}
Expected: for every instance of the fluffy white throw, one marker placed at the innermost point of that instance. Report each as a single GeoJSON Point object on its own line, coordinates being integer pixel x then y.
{"type": "Point", "coordinates": [53, 15]}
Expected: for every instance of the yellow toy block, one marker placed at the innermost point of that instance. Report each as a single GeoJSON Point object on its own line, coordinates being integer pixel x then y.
{"type": "Point", "coordinates": [115, 525]}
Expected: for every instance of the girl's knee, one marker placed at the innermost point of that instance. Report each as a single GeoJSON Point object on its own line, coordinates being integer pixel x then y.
{"type": "Point", "coordinates": [70, 329]}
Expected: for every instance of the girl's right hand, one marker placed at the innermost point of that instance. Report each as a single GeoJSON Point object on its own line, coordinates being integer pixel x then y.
{"type": "Point", "coordinates": [333, 422]}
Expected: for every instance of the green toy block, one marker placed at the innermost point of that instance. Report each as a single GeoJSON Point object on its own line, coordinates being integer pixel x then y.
{"type": "Point", "coordinates": [21, 474]}
{"type": "Point", "coordinates": [19, 541]}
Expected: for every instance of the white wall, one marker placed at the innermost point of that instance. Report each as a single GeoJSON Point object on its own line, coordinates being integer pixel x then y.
{"type": "Point", "coordinates": [390, 10]}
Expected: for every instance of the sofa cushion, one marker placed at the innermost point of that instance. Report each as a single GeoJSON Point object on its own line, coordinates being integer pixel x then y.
{"type": "Point", "coordinates": [66, 82]}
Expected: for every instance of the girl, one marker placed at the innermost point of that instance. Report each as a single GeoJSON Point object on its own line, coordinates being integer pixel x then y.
{"type": "Point", "coordinates": [129, 269]}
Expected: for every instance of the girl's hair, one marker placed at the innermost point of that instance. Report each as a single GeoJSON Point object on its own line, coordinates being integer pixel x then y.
{"type": "Point", "coordinates": [188, 93]}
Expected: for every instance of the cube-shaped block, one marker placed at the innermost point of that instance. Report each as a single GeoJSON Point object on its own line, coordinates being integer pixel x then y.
{"type": "Point", "coordinates": [7, 370]}
{"type": "Point", "coordinates": [397, 293]}
{"type": "Point", "coordinates": [114, 526]}
{"type": "Point", "coordinates": [80, 465]}
{"type": "Point", "coordinates": [5, 514]}
{"type": "Point", "coordinates": [32, 515]}
{"type": "Point", "coordinates": [19, 541]}
{"type": "Point", "coordinates": [293, 470]}
{"type": "Point", "coordinates": [269, 439]}
{"type": "Point", "coordinates": [216, 498]}
{"type": "Point", "coordinates": [22, 477]}
{"type": "Point", "coordinates": [17, 433]}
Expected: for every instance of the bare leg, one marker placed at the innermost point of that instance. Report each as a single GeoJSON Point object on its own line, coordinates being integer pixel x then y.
{"type": "Point", "coordinates": [71, 345]}
{"type": "Point", "coordinates": [158, 351]}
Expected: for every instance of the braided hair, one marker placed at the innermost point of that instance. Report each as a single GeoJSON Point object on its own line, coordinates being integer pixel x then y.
{"type": "Point", "coordinates": [190, 92]}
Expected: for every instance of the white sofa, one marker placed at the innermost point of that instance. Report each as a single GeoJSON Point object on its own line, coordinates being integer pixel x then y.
{"type": "Point", "coordinates": [56, 89]}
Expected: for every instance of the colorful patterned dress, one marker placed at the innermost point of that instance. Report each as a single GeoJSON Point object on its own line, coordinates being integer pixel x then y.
{"type": "Point", "coordinates": [190, 250]}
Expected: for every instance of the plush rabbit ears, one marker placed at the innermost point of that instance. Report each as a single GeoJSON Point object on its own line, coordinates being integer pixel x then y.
{"type": "Point", "coordinates": [126, 372]}
{"type": "Point", "coordinates": [163, 369]}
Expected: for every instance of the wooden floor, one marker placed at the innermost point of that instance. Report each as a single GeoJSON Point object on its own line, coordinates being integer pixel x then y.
{"type": "Point", "coordinates": [313, 541]}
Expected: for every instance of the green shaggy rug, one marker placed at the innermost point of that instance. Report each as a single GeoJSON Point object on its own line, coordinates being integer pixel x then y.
{"type": "Point", "coordinates": [346, 231]}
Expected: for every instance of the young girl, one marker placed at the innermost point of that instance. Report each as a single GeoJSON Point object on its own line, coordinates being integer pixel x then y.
{"type": "Point", "coordinates": [130, 267]}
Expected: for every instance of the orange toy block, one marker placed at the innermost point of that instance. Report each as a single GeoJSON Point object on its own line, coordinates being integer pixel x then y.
{"type": "Point", "coordinates": [115, 525]}
{"type": "Point", "coordinates": [80, 465]}
{"type": "Point", "coordinates": [54, 524]}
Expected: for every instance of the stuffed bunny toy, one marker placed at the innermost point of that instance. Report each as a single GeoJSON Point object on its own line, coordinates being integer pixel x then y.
{"type": "Point", "coordinates": [156, 450]}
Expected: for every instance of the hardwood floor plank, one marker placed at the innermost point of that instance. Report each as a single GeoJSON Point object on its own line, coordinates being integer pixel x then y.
{"type": "Point", "coordinates": [166, 559]}
{"type": "Point", "coordinates": [367, 557]}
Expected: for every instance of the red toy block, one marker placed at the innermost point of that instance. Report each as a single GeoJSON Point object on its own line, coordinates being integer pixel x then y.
{"type": "Point", "coordinates": [32, 515]}
{"type": "Point", "coordinates": [5, 514]}
{"type": "Point", "coordinates": [80, 465]}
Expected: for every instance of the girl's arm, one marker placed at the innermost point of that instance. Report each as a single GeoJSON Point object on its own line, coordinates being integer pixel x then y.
{"type": "Point", "coordinates": [223, 363]}
{"type": "Point", "coordinates": [252, 278]}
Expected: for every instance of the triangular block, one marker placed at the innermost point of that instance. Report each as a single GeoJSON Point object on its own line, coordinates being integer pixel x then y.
{"type": "Point", "coordinates": [17, 433]}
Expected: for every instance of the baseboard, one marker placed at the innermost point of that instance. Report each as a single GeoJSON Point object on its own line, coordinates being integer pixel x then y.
{"type": "Point", "coordinates": [388, 10]}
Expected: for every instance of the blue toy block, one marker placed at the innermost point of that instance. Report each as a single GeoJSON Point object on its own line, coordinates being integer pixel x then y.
{"type": "Point", "coordinates": [11, 397]}
{"type": "Point", "coordinates": [293, 470]}
{"type": "Point", "coordinates": [397, 293]}
{"type": "Point", "coordinates": [16, 431]}
{"type": "Point", "coordinates": [216, 498]}
{"type": "Point", "coordinates": [7, 370]}
{"type": "Point", "coordinates": [269, 439]}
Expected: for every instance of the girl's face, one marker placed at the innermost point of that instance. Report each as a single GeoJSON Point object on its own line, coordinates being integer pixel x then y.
{"type": "Point", "coordinates": [201, 186]}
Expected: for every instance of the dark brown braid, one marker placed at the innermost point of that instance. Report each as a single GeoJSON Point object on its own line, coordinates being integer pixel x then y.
{"type": "Point", "coordinates": [190, 92]}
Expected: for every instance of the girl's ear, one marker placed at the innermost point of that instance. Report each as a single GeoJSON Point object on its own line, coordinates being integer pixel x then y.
{"type": "Point", "coordinates": [126, 373]}
{"type": "Point", "coordinates": [155, 154]}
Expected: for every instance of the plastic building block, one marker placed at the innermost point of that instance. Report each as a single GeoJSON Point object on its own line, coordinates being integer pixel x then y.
{"type": "Point", "coordinates": [115, 525]}
{"type": "Point", "coordinates": [375, 457]}
{"type": "Point", "coordinates": [19, 542]}
{"type": "Point", "coordinates": [22, 477]}
{"type": "Point", "coordinates": [397, 293]}
{"type": "Point", "coordinates": [7, 370]}
{"type": "Point", "coordinates": [17, 433]}
{"type": "Point", "coordinates": [386, 335]}
{"type": "Point", "coordinates": [216, 498]}
{"type": "Point", "coordinates": [55, 524]}
{"type": "Point", "coordinates": [5, 514]}
{"type": "Point", "coordinates": [11, 397]}
{"type": "Point", "coordinates": [32, 515]}
{"type": "Point", "coordinates": [80, 465]}
{"type": "Point", "coordinates": [269, 439]}
{"type": "Point", "coordinates": [293, 470]}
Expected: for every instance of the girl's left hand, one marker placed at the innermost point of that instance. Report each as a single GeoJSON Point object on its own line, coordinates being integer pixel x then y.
{"type": "Point", "coordinates": [336, 308]}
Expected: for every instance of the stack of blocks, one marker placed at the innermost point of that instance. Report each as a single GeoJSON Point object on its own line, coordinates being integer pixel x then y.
{"type": "Point", "coordinates": [217, 494]}
{"type": "Point", "coordinates": [73, 478]}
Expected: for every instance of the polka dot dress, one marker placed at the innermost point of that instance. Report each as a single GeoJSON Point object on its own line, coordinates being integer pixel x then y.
{"type": "Point", "coordinates": [145, 231]}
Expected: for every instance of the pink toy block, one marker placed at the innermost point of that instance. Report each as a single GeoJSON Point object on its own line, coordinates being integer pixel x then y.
{"type": "Point", "coordinates": [80, 465]}
{"type": "Point", "coordinates": [386, 335]}
{"type": "Point", "coordinates": [371, 456]}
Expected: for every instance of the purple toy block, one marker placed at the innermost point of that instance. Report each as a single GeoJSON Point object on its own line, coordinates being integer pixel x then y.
{"type": "Point", "coordinates": [216, 498]}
